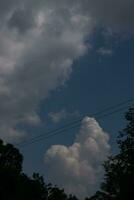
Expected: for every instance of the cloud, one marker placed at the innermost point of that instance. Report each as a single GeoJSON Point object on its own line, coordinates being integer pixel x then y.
{"type": "Point", "coordinates": [104, 51]}
{"type": "Point", "coordinates": [39, 41]}
{"type": "Point", "coordinates": [78, 168]}
{"type": "Point", "coordinates": [22, 20]}
{"type": "Point", "coordinates": [57, 117]}
{"type": "Point", "coordinates": [117, 15]}
{"type": "Point", "coordinates": [32, 119]}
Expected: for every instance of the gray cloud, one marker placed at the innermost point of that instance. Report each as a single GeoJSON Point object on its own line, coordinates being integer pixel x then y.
{"type": "Point", "coordinates": [117, 15]}
{"type": "Point", "coordinates": [78, 168]}
{"type": "Point", "coordinates": [22, 20]}
{"type": "Point", "coordinates": [37, 62]}
{"type": "Point", "coordinates": [39, 41]}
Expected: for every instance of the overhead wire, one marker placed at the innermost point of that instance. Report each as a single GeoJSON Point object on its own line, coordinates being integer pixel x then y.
{"type": "Point", "coordinates": [76, 123]}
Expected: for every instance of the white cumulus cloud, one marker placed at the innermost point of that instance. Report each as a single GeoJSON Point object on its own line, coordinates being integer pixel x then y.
{"type": "Point", "coordinates": [78, 168]}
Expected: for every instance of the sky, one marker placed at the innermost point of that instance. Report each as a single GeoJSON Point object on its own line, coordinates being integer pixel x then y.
{"type": "Point", "coordinates": [60, 60]}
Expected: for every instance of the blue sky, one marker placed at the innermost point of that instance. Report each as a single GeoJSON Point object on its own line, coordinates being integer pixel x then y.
{"type": "Point", "coordinates": [60, 60]}
{"type": "Point", "coordinates": [97, 81]}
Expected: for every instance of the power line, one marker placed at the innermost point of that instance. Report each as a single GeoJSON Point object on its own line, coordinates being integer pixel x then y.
{"type": "Point", "coordinates": [76, 123]}
{"type": "Point", "coordinates": [59, 131]}
{"type": "Point", "coordinates": [66, 127]}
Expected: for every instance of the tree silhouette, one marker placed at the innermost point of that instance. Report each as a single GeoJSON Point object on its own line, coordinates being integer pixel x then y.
{"type": "Point", "coordinates": [54, 193]}
{"type": "Point", "coordinates": [10, 169]}
{"type": "Point", "coordinates": [118, 181]}
{"type": "Point", "coordinates": [119, 169]}
{"type": "Point", "coordinates": [15, 185]}
{"type": "Point", "coordinates": [10, 158]}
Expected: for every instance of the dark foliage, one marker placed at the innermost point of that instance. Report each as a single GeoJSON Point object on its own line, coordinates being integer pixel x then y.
{"type": "Point", "coordinates": [119, 169]}
{"type": "Point", "coordinates": [15, 185]}
{"type": "Point", "coordinates": [118, 182]}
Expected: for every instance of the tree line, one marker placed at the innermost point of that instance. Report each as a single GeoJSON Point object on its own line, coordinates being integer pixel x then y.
{"type": "Point", "coordinates": [118, 183]}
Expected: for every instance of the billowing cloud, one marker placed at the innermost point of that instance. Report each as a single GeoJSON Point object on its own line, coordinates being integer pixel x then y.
{"type": "Point", "coordinates": [78, 168]}
{"type": "Point", "coordinates": [39, 41]}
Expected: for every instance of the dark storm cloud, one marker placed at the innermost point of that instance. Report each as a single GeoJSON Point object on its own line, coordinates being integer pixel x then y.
{"type": "Point", "coordinates": [22, 20]}
{"type": "Point", "coordinates": [37, 62]}
{"type": "Point", "coordinates": [116, 14]}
